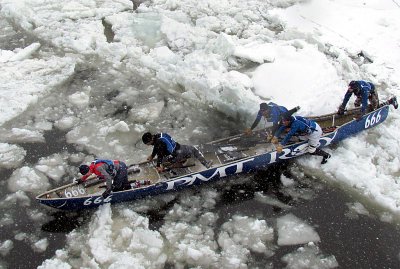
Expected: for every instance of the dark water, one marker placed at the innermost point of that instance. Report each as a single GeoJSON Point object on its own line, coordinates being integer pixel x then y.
{"type": "Point", "coordinates": [361, 242]}
{"type": "Point", "coordinates": [57, 224]}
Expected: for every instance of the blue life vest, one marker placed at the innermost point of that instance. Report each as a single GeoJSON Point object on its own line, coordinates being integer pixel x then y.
{"type": "Point", "coordinates": [308, 127]}
{"type": "Point", "coordinates": [167, 139]}
{"type": "Point", "coordinates": [110, 165]}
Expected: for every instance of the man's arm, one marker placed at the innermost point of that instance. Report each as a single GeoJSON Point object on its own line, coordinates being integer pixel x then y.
{"type": "Point", "coordinates": [279, 131]}
{"type": "Point", "coordinates": [102, 169]}
{"type": "Point", "coordinates": [160, 149]}
{"type": "Point", "coordinates": [256, 121]}
{"type": "Point", "coordinates": [293, 129]}
{"type": "Point", "coordinates": [346, 99]}
{"type": "Point", "coordinates": [364, 101]}
{"type": "Point", "coordinates": [86, 176]}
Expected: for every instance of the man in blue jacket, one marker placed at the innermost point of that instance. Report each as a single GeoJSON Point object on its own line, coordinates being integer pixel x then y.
{"type": "Point", "coordinates": [167, 150]}
{"type": "Point", "coordinates": [363, 91]}
{"type": "Point", "coordinates": [305, 129]}
{"type": "Point", "coordinates": [271, 113]}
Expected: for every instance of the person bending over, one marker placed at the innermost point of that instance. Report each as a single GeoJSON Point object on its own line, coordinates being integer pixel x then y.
{"type": "Point", "coordinates": [167, 150]}
{"type": "Point", "coordinates": [307, 130]}
{"type": "Point", "coordinates": [114, 172]}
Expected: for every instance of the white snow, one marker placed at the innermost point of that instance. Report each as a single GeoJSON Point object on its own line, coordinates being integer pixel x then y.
{"type": "Point", "coordinates": [5, 247]}
{"type": "Point", "coordinates": [246, 232]}
{"type": "Point", "coordinates": [19, 197]}
{"type": "Point", "coordinates": [80, 99]}
{"type": "Point", "coordinates": [28, 179]}
{"type": "Point", "coordinates": [41, 245]}
{"type": "Point", "coordinates": [11, 156]}
{"type": "Point", "coordinates": [356, 209]}
{"type": "Point", "coordinates": [20, 54]}
{"type": "Point", "coordinates": [125, 242]}
{"type": "Point", "coordinates": [270, 200]}
{"type": "Point", "coordinates": [219, 56]}
{"type": "Point", "coordinates": [293, 231]}
{"type": "Point", "coordinates": [16, 135]}
{"type": "Point", "coordinates": [24, 81]}
{"type": "Point", "coordinates": [286, 181]}
{"type": "Point", "coordinates": [52, 166]}
{"type": "Point", "coordinates": [309, 257]}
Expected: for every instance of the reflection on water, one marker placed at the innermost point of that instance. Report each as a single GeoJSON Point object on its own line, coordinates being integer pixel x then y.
{"type": "Point", "coordinates": [65, 222]}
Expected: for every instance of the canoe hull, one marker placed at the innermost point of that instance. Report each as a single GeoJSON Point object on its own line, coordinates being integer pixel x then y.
{"type": "Point", "coordinates": [243, 165]}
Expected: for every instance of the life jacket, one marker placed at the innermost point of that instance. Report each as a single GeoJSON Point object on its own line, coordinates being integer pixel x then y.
{"type": "Point", "coordinates": [308, 125]}
{"type": "Point", "coordinates": [167, 139]}
{"type": "Point", "coordinates": [363, 86]}
{"type": "Point", "coordinates": [275, 112]}
{"type": "Point", "coordinates": [110, 166]}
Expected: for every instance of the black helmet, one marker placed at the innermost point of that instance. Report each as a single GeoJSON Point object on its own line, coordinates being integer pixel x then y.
{"type": "Point", "coordinates": [264, 106]}
{"type": "Point", "coordinates": [147, 137]}
{"type": "Point", "coordinates": [287, 118]}
{"type": "Point", "coordinates": [353, 85]}
{"type": "Point", "coordinates": [83, 169]}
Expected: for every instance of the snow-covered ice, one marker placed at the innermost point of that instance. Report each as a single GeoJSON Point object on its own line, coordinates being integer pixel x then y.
{"type": "Point", "coordinates": [203, 58]}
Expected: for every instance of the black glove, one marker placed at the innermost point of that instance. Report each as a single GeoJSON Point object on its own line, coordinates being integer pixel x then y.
{"type": "Point", "coordinates": [106, 193]}
{"type": "Point", "coordinates": [340, 110]}
{"type": "Point", "coordinates": [80, 181]}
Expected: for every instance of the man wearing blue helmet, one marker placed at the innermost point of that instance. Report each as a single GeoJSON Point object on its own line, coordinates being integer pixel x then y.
{"type": "Point", "coordinates": [364, 92]}
{"type": "Point", "coordinates": [304, 128]}
{"type": "Point", "coordinates": [271, 113]}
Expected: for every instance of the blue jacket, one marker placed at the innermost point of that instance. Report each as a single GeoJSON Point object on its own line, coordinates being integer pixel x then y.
{"type": "Point", "coordinates": [365, 88]}
{"type": "Point", "coordinates": [164, 146]}
{"type": "Point", "coordinates": [274, 114]}
{"type": "Point", "coordinates": [298, 126]}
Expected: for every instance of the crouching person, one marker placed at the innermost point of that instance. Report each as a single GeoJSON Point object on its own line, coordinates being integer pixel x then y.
{"type": "Point", "coordinates": [305, 128]}
{"type": "Point", "coordinates": [114, 172]}
{"type": "Point", "coordinates": [167, 150]}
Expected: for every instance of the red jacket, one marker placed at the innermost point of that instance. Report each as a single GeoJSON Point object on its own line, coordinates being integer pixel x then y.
{"type": "Point", "coordinates": [101, 170]}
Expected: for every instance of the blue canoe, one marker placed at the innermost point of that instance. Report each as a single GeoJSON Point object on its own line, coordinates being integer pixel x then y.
{"type": "Point", "coordinates": [234, 155]}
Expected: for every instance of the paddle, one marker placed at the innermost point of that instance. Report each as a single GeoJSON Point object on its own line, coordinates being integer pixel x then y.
{"type": "Point", "coordinates": [138, 164]}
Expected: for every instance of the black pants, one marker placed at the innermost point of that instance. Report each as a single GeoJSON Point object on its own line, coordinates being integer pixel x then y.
{"type": "Point", "coordinates": [120, 181]}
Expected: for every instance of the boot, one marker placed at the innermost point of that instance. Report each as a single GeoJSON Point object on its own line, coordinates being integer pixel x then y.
{"type": "Point", "coordinates": [325, 158]}
{"type": "Point", "coordinates": [393, 101]}
{"type": "Point", "coordinates": [325, 155]}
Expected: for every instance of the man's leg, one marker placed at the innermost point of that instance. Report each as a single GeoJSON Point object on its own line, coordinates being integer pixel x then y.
{"type": "Point", "coordinates": [313, 139]}
{"type": "Point", "coordinates": [357, 102]}
{"type": "Point", "coordinates": [121, 179]}
{"type": "Point", "coordinates": [313, 144]}
{"type": "Point", "coordinates": [191, 151]}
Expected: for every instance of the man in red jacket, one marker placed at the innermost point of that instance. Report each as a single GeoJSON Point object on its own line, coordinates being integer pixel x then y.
{"type": "Point", "coordinates": [115, 173]}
